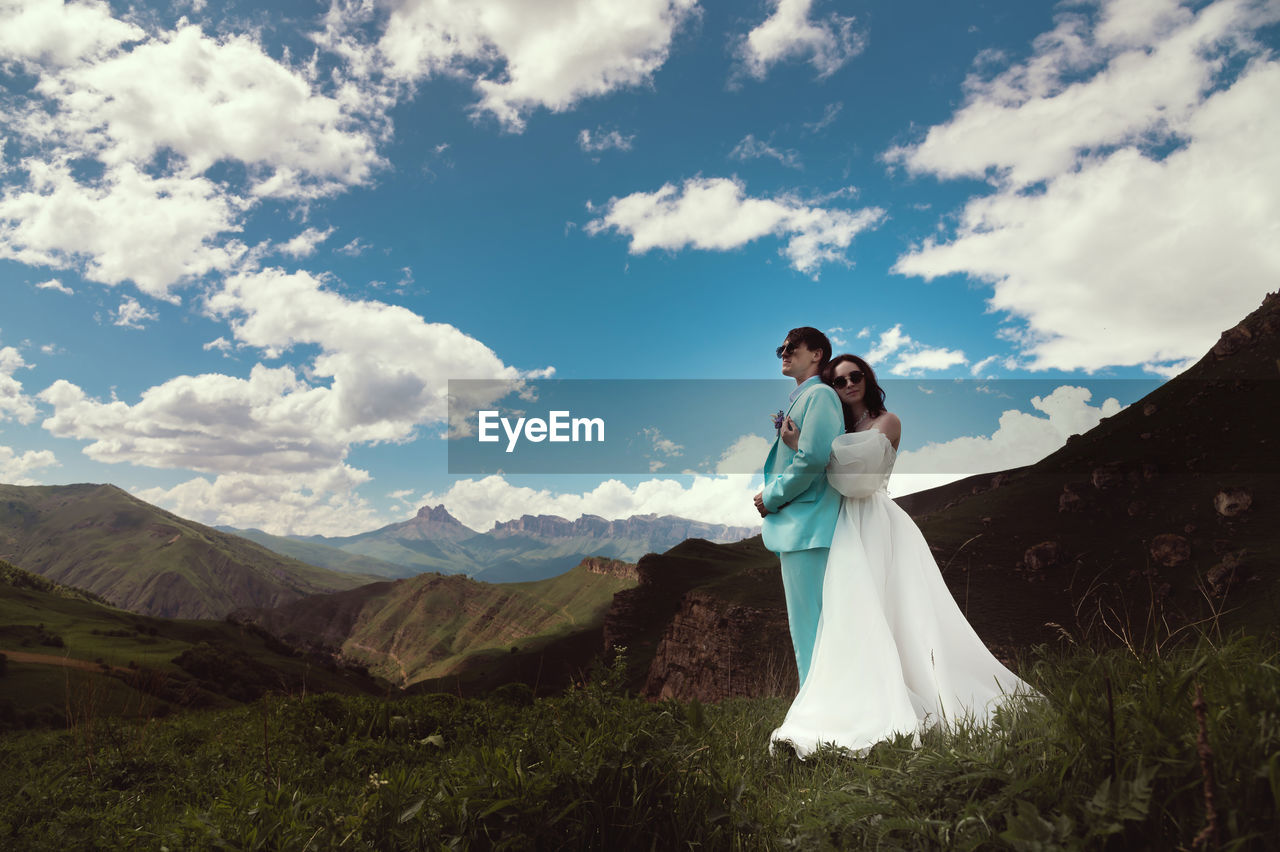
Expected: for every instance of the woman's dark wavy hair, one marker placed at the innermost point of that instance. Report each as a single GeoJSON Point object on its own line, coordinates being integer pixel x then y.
{"type": "Point", "coordinates": [873, 396]}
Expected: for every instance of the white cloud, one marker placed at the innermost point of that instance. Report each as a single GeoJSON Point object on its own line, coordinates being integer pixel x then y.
{"type": "Point", "coordinates": [128, 226]}
{"type": "Point", "coordinates": [381, 372]}
{"type": "Point", "coordinates": [55, 284]}
{"type": "Point", "coordinates": [1020, 439]}
{"type": "Point", "coordinates": [889, 342]}
{"type": "Point", "coordinates": [154, 112]}
{"type": "Point", "coordinates": [982, 365]}
{"type": "Point", "coordinates": [602, 140]}
{"type": "Point", "coordinates": [665, 446]}
{"type": "Point", "coordinates": [790, 32]}
{"type": "Point", "coordinates": [745, 455]}
{"type": "Point", "coordinates": [355, 248]}
{"type": "Point", "coordinates": [927, 359]}
{"type": "Point", "coordinates": [523, 56]}
{"type": "Point", "coordinates": [210, 100]}
{"type": "Point", "coordinates": [131, 314]}
{"type": "Point", "coordinates": [751, 148]}
{"type": "Point", "coordinates": [897, 353]}
{"type": "Point", "coordinates": [304, 244]}
{"type": "Point", "coordinates": [1133, 174]}
{"type": "Point", "coordinates": [14, 468]}
{"type": "Point", "coordinates": [711, 499]}
{"type": "Point", "coordinates": [57, 34]}
{"type": "Point", "coordinates": [829, 114]}
{"type": "Point", "coordinates": [14, 404]}
{"type": "Point", "coordinates": [715, 214]}
{"type": "Point", "coordinates": [319, 503]}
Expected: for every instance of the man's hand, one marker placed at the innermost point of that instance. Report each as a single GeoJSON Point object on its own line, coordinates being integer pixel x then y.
{"type": "Point", "coordinates": [759, 498]}
{"type": "Point", "coordinates": [789, 432]}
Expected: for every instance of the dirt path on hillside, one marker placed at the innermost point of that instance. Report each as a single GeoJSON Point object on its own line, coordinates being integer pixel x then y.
{"type": "Point", "coordinates": [404, 675]}
{"type": "Point", "coordinates": [54, 660]}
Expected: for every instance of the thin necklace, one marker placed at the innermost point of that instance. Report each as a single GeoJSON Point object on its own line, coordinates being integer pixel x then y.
{"type": "Point", "coordinates": [858, 422]}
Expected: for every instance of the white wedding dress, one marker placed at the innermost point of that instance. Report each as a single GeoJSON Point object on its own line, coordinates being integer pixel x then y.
{"type": "Point", "coordinates": [894, 654]}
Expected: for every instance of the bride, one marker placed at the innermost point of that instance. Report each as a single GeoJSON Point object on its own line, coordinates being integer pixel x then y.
{"type": "Point", "coordinates": [894, 654]}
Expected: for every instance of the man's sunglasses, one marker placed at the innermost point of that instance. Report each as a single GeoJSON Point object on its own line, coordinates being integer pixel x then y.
{"type": "Point", "coordinates": [853, 378]}
{"type": "Point", "coordinates": [787, 349]}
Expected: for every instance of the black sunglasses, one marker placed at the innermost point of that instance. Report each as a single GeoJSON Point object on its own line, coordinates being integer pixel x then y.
{"type": "Point", "coordinates": [787, 349]}
{"type": "Point", "coordinates": [853, 378]}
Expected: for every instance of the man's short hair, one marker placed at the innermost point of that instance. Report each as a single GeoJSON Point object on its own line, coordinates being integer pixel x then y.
{"type": "Point", "coordinates": [814, 340]}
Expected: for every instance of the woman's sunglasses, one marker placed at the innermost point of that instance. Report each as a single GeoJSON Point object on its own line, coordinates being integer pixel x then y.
{"type": "Point", "coordinates": [852, 379]}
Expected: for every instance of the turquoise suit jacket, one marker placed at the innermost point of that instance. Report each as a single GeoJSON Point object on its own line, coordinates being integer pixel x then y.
{"type": "Point", "coordinates": [802, 506]}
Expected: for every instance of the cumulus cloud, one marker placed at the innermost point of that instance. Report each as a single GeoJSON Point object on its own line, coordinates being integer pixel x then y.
{"type": "Point", "coordinates": [745, 454]}
{"type": "Point", "coordinates": [898, 354]}
{"type": "Point", "coordinates": [603, 140]}
{"type": "Point", "coordinates": [381, 371]}
{"type": "Point", "coordinates": [480, 503]}
{"type": "Point", "coordinates": [128, 226]}
{"type": "Point", "coordinates": [14, 403]}
{"type": "Point", "coordinates": [751, 148]}
{"type": "Point", "coordinates": [940, 358]}
{"type": "Point", "coordinates": [524, 56]}
{"type": "Point", "coordinates": [716, 214]}
{"type": "Point", "coordinates": [1021, 439]}
{"type": "Point", "coordinates": [14, 468]}
{"type": "Point", "coordinates": [209, 100]}
{"type": "Point", "coordinates": [791, 32]}
{"type": "Point", "coordinates": [319, 503]}
{"type": "Point", "coordinates": [50, 32]}
{"type": "Point", "coordinates": [150, 114]}
{"type": "Point", "coordinates": [55, 284]}
{"type": "Point", "coordinates": [304, 244]}
{"type": "Point", "coordinates": [1132, 173]}
{"type": "Point", "coordinates": [131, 314]}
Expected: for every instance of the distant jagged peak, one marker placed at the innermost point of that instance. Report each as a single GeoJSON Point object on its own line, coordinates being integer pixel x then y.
{"type": "Point", "coordinates": [434, 522]}
{"type": "Point", "coordinates": [438, 514]}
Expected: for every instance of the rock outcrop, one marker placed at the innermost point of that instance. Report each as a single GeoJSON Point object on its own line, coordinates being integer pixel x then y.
{"type": "Point", "coordinates": [611, 568]}
{"type": "Point", "coordinates": [716, 649]}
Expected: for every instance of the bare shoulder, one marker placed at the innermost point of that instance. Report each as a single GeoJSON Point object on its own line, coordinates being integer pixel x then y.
{"type": "Point", "coordinates": [891, 426]}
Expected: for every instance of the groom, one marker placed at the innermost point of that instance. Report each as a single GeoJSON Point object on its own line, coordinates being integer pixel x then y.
{"type": "Point", "coordinates": [798, 506]}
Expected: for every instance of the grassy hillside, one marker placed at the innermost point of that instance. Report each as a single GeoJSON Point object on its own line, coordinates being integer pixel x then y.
{"type": "Point", "coordinates": [435, 625]}
{"type": "Point", "coordinates": [142, 558]}
{"type": "Point", "coordinates": [1111, 760]}
{"type": "Point", "coordinates": [64, 648]}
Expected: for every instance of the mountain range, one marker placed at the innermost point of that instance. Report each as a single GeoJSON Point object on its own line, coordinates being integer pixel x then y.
{"type": "Point", "coordinates": [1159, 520]}
{"type": "Point", "coordinates": [139, 557]}
{"type": "Point", "coordinates": [532, 547]}
{"type": "Point", "coordinates": [1160, 517]}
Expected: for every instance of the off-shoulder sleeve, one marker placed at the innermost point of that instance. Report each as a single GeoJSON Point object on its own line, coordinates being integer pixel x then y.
{"type": "Point", "coordinates": [860, 463]}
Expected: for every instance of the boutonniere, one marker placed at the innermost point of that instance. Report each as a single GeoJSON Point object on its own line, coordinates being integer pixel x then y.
{"type": "Point", "coordinates": [777, 420]}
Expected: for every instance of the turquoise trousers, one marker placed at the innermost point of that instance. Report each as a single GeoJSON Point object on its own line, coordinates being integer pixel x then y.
{"type": "Point", "coordinates": [802, 573]}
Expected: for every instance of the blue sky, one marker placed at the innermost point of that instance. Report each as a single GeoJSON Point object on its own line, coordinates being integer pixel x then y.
{"type": "Point", "coordinates": [244, 249]}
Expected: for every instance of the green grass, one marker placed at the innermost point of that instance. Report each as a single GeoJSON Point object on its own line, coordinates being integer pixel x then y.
{"type": "Point", "coordinates": [1108, 761]}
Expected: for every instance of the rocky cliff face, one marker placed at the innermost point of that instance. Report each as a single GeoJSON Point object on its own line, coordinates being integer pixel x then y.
{"type": "Point", "coordinates": [716, 649]}
{"type": "Point", "coordinates": [611, 568]}
{"type": "Point", "coordinates": [707, 621]}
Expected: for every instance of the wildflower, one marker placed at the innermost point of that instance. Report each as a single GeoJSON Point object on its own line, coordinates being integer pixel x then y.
{"type": "Point", "coordinates": [778, 418]}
